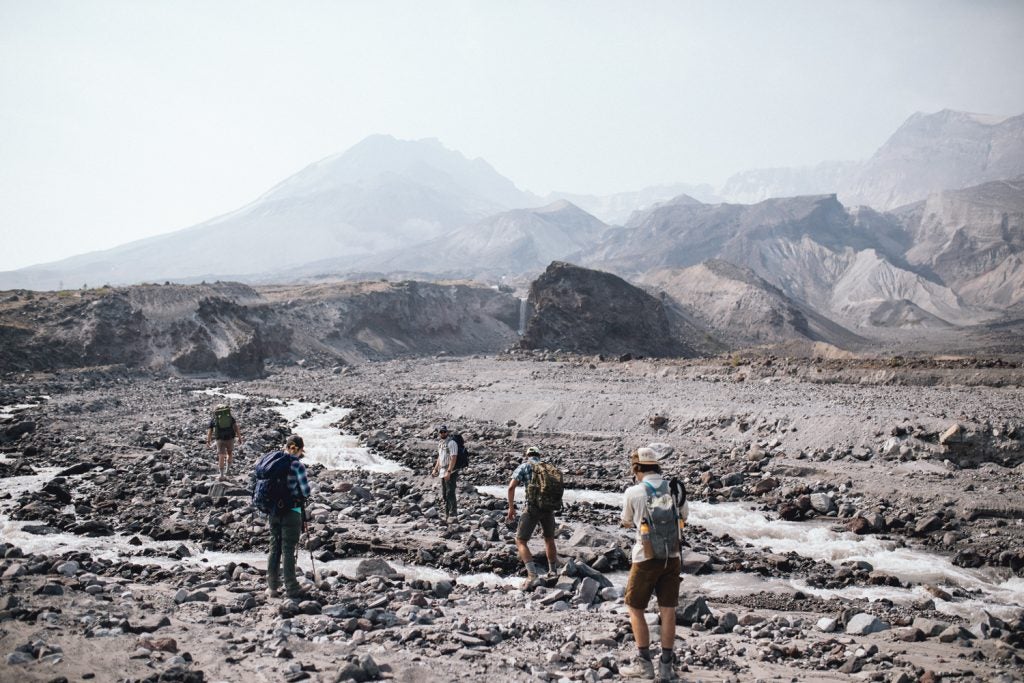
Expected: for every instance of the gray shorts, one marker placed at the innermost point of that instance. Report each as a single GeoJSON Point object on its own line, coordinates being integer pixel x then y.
{"type": "Point", "coordinates": [226, 446]}
{"type": "Point", "coordinates": [529, 521]}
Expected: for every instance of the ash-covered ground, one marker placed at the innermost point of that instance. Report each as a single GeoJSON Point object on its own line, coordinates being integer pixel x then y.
{"type": "Point", "coordinates": [850, 520]}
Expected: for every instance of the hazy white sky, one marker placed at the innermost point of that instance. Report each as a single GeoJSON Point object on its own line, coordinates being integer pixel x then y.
{"type": "Point", "coordinates": [122, 119]}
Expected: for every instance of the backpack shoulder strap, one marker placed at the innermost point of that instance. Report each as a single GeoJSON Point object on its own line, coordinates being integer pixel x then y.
{"type": "Point", "coordinates": [652, 490]}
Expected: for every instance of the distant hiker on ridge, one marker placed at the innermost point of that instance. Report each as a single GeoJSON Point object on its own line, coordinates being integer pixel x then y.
{"type": "Point", "coordinates": [225, 428]}
{"type": "Point", "coordinates": [543, 484]}
{"type": "Point", "coordinates": [280, 492]}
{"type": "Point", "coordinates": [656, 509]}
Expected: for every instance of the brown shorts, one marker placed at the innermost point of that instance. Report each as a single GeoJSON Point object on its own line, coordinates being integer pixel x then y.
{"type": "Point", "coordinates": [653, 577]}
{"type": "Point", "coordinates": [225, 446]}
{"type": "Point", "coordinates": [528, 522]}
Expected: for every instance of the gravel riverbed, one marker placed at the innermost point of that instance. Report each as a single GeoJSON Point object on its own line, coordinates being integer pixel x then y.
{"type": "Point", "coordinates": [849, 521]}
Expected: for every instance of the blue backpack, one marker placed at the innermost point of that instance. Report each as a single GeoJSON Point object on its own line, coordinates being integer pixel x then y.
{"type": "Point", "coordinates": [271, 493]}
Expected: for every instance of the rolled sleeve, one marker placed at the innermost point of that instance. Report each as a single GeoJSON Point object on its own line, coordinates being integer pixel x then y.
{"type": "Point", "coordinates": [628, 513]}
{"type": "Point", "coordinates": [521, 475]}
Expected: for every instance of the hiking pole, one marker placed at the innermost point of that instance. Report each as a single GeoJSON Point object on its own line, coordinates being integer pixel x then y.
{"type": "Point", "coordinates": [306, 532]}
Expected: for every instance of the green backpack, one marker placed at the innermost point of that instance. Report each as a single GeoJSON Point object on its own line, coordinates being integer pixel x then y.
{"type": "Point", "coordinates": [224, 422]}
{"type": "Point", "coordinates": [544, 491]}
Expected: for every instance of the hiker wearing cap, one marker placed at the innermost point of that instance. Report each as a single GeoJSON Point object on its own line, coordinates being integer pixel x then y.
{"type": "Point", "coordinates": [445, 470]}
{"type": "Point", "coordinates": [225, 427]}
{"type": "Point", "coordinates": [655, 512]}
{"type": "Point", "coordinates": [284, 513]}
{"type": "Point", "coordinates": [543, 484]}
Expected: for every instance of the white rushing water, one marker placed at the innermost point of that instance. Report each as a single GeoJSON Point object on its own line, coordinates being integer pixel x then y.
{"type": "Point", "coordinates": [105, 547]}
{"type": "Point", "coordinates": [816, 540]}
{"type": "Point", "coordinates": [326, 445]}
{"type": "Point", "coordinates": [218, 391]}
{"type": "Point", "coordinates": [9, 411]}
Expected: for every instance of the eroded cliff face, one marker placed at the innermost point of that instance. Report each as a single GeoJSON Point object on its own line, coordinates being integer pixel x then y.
{"type": "Point", "coordinates": [743, 309]}
{"type": "Point", "coordinates": [235, 329]}
{"type": "Point", "coordinates": [973, 239]}
{"type": "Point", "coordinates": [379, 320]}
{"type": "Point", "coordinates": [589, 311]}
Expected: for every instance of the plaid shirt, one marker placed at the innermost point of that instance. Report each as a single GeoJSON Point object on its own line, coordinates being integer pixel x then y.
{"type": "Point", "coordinates": [524, 472]}
{"type": "Point", "coordinates": [298, 482]}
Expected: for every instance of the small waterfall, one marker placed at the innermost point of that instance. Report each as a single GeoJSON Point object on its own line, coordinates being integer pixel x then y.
{"type": "Point", "coordinates": [522, 316]}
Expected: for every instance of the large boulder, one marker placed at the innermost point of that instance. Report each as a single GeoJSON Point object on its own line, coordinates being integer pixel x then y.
{"type": "Point", "coordinates": [862, 624]}
{"type": "Point", "coordinates": [369, 567]}
{"type": "Point", "coordinates": [589, 311]}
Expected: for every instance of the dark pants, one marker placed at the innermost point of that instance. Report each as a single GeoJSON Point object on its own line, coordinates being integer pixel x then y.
{"type": "Point", "coordinates": [284, 540]}
{"type": "Point", "coordinates": [451, 506]}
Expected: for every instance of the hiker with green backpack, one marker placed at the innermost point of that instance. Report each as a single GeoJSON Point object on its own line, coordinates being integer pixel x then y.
{"type": "Point", "coordinates": [224, 427]}
{"type": "Point", "coordinates": [656, 507]}
{"type": "Point", "coordinates": [543, 484]}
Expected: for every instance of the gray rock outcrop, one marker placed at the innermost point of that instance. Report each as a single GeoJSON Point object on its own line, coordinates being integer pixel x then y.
{"type": "Point", "coordinates": [588, 311]}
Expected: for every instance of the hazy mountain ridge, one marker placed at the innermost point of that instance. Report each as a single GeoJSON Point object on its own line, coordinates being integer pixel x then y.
{"type": "Point", "coordinates": [426, 162]}
{"type": "Point", "coordinates": [381, 194]}
{"type": "Point", "coordinates": [756, 185]}
{"type": "Point", "coordinates": [415, 208]}
{"type": "Point", "coordinates": [843, 264]}
{"type": "Point", "coordinates": [510, 243]}
{"type": "Point", "coordinates": [618, 208]}
{"type": "Point", "coordinates": [947, 150]}
{"type": "Point", "coordinates": [928, 153]}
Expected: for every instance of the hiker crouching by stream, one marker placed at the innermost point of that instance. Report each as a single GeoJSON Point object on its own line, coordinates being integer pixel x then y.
{"type": "Point", "coordinates": [543, 484]}
{"type": "Point", "coordinates": [657, 511]}
{"type": "Point", "coordinates": [281, 490]}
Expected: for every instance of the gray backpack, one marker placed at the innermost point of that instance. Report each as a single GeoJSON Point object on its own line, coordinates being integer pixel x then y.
{"type": "Point", "coordinates": [662, 519]}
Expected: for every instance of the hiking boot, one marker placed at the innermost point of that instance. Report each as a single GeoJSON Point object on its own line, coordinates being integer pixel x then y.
{"type": "Point", "coordinates": [532, 572]}
{"type": "Point", "coordinates": [553, 569]}
{"type": "Point", "coordinates": [273, 593]}
{"type": "Point", "coordinates": [295, 592]}
{"type": "Point", "coordinates": [666, 674]}
{"type": "Point", "coordinates": [639, 667]}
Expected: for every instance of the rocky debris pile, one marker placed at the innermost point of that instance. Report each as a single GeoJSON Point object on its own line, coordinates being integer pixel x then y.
{"type": "Point", "coordinates": [588, 311]}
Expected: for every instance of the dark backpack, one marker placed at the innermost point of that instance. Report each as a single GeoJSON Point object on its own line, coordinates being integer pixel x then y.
{"type": "Point", "coordinates": [224, 423]}
{"type": "Point", "coordinates": [271, 493]}
{"type": "Point", "coordinates": [662, 516]}
{"type": "Point", "coordinates": [678, 489]}
{"type": "Point", "coordinates": [462, 459]}
{"type": "Point", "coordinates": [544, 492]}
